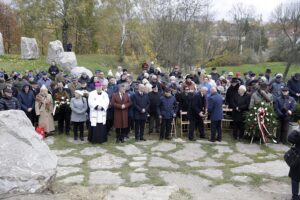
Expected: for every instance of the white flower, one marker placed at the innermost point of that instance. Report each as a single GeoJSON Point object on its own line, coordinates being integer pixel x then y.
{"type": "Point", "coordinates": [255, 113]}
{"type": "Point", "coordinates": [271, 114]}
{"type": "Point", "coordinates": [267, 114]}
{"type": "Point", "coordinates": [266, 109]}
{"type": "Point", "coordinates": [268, 120]}
{"type": "Point", "coordinates": [62, 97]}
{"type": "Point", "coordinates": [251, 115]}
{"type": "Point", "coordinates": [255, 119]}
{"type": "Point", "coordinates": [255, 108]}
{"type": "Point", "coordinates": [262, 103]}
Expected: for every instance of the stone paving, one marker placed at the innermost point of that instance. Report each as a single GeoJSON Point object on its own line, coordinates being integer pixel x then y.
{"type": "Point", "coordinates": [177, 169]}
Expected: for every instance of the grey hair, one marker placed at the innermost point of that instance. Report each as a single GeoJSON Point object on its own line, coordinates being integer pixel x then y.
{"type": "Point", "coordinates": [204, 88]}
{"type": "Point", "coordinates": [242, 87]}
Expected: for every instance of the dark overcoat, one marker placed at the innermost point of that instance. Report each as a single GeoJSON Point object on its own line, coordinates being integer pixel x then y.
{"type": "Point", "coordinates": [140, 102]}
{"type": "Point", "coordinates": [120, 115]}
{"type": "Point", "coordinates": [294, 138]}
{"type": "Point", "coordinates": [242, 102]}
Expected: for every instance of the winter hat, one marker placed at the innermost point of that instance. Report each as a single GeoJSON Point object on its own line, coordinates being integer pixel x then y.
{"type": "Point", "coordinates": [44, 87]}
{"type": "Point", "coordinates": [98, 84]}
{"type": "Point", "coordinates": [279, 75]}
{"type": "Point", "coordinates": [44, 73]}
{"type": "Point", "coordinates": [285, 88]}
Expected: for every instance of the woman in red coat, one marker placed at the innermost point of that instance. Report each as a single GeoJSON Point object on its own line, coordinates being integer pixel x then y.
{"type": "Point", "coordinates": [121, 102]}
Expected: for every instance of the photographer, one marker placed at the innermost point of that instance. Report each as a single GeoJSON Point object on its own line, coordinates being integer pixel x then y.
{"type": "Point", "coordinates": [294, 173]}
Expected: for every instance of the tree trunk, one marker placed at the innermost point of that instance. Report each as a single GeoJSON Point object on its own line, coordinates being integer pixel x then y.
{"type": "Point", "coordinates": [286, 71]}
{"type": "Point", "coordinates": [123, 37]}
{"type": "Point", "coordinates": [65, 36]}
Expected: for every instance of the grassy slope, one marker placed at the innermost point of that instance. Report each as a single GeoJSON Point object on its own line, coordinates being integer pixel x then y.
{"type": "Point", "coordinates": [106, 62]}
{"type": "Point", "coordinates": [93, 62]}
{"type": "Point", "coordinates": [276, 67]}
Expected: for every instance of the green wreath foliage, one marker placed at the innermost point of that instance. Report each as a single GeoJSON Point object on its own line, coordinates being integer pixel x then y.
{"type": "Point", "coordinates": [251, 123]}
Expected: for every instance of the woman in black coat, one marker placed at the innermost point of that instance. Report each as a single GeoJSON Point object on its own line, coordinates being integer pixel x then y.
{"type": "Point", "coordinates": [294, 173]}
{"type": "Point", "coordinates": [240, 106]}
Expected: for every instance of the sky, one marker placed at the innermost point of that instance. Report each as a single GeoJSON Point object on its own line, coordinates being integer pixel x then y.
{"type": "Point", "coordinates": [221, 8]}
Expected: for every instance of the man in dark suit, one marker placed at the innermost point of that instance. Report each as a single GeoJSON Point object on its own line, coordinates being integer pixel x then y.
{"type": "Point", "coordinates": [154, 98]}
{"type": "Point", "coordinates": [196, 113]}
{"type": "Point", "coordinates": [215, 110]}
{"type": "Point", "coordinates": [141, 104]}
{"type": "Point", "coordinates": [284, 107]}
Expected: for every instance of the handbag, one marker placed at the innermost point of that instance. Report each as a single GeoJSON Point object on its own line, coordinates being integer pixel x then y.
{"type": "Point", "coordinates": [292, 157]}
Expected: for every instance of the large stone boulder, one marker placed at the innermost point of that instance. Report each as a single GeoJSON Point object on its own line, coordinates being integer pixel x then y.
{"type": "Point", "coordinates": [55, 51]}
{"type": "Point", "coordinates": [68, 60]}
{"type": "Point", "coordinates": [1, 45]}
{"type": "Point", "coordinates": [29, 48]}
{"type": "Point", "coordinates": [26, 163]}
{"type": "Point", "coordinates": [77, 71]}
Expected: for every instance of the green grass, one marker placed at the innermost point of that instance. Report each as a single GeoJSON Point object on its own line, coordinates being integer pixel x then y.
{"type": "Point", "coordinates": [276, 67]}
{"type": "Point", "coordinates": [106, 62]}
{"type": "Point", "coordinates": [93, 61]}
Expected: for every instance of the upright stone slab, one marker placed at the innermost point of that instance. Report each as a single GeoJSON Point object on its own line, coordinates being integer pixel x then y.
{"type": "Point", "coordinates": [67, 60]}
{"type": "Point", "coordinates": [77, 71]}
{"type": "Point", "coordinates": [55, 51]}
{"type": "Point", "coordinates": [26, 163]}
{"type": "Point", "coordinates": [29, 48]}
{"type": "Point", "coordinates": [1, 45]}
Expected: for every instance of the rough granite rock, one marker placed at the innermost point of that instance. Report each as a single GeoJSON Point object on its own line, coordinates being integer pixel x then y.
{"type": "Point", "coordinates": [55, 51]}
{"type": "Point", "coordinates": [68, 61]}
{"type": "Point", "coordinates": [27, 165]}
{"type": "Point", "coordinates": [73, 179]}
{"type": "Point", "coordinates": [77, 71]}
{"type": "Point", "coordinates": [1, 45]}
{"type": "Point", "coordinates": [29, 48]}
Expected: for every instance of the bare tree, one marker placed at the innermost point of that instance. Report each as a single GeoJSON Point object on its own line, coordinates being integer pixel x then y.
{"type": "Point", "coordinates": [241, 15]}
{"type": "Point", "coordinates": [173, 35]}
{"type": "Point", "coordinates": [287, 18]}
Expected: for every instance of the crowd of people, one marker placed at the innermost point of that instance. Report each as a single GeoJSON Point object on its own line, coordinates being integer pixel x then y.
{"type": "Point", "coordinates": [101, 102]}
